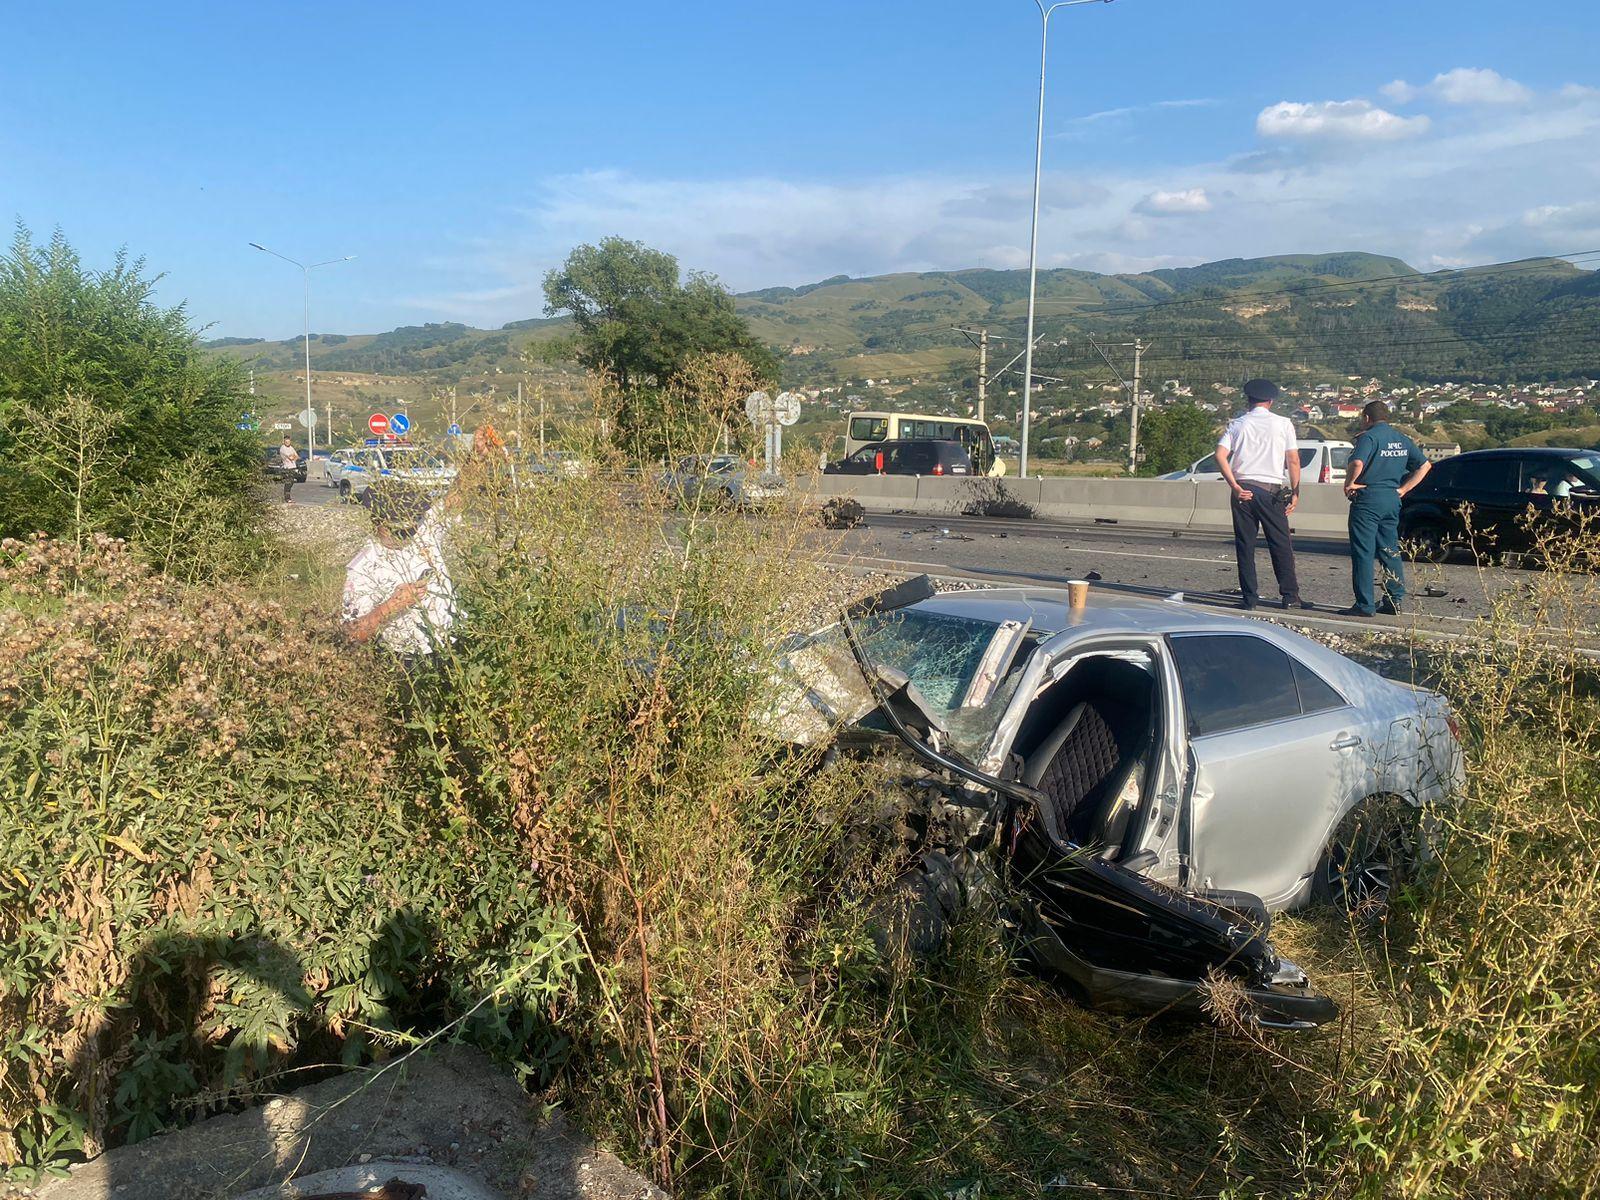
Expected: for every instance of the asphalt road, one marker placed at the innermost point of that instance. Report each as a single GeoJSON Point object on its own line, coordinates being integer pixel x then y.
{"type": "Point", "coordinates": [1047, 552]}
{"type": "Point", "coordinates": [1022, 551]}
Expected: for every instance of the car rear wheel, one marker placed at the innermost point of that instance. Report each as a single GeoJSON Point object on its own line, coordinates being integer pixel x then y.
{"type": "Point", "coordinates": [344, 491]}
{"type": "Point", "coordinates": [1426, 543]}
{"type": "Point", "coordinates": [1369, 858]}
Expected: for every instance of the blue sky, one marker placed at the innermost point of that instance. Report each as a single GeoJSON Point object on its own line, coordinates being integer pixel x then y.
{"type": "Point", "coordinates": [459, 151]}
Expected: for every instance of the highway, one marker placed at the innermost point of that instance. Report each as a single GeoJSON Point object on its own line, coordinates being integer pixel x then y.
{"type": "Point", "coordinates": [1035, 551]}
{"type": "Point", "coordinates": [1047, 552]}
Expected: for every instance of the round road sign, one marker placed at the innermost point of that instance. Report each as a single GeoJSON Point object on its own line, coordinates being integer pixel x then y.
{"type": "Point", "coordinates": [378, 423]}
{"type": "Point", "coordinates": [786, 408]}
{"type": "Point", "coordinates": [399, 423]}
{"type": "Point", "coordinates": [455, 431]}
{"type": "Point", "coordinates": [307, 417]}
{"type": "Point", "coordinates": [758, 407]}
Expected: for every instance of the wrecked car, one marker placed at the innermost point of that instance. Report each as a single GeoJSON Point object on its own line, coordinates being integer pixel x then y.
{"type": "Point", "coordinates": [1150, 780]}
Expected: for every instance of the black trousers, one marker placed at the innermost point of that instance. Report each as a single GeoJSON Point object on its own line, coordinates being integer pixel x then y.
{"type": "Point", "coordinates": [1266, 511]}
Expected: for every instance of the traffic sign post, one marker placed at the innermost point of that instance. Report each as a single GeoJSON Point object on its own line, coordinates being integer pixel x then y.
{"type": "Point", "coordinates": [455, 431]}
{"type": "Point", "coordinates": [771, 414]}
{"type": "Point", "coordinates": [378, 423]}
{"type": "Point", "coordinates": [399, 424]}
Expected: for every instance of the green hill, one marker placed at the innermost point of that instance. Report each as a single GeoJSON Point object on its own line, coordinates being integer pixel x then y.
{"type": "Point", "coordinates": [1301, 318]}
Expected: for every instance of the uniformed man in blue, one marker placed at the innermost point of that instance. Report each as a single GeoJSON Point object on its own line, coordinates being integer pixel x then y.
{"type": "Point", "coordinates": [1384, 465]}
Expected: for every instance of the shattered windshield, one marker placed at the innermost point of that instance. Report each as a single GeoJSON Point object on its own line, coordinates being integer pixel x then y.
{"type": "Point", "coordinates": [963, 671]}
{"type": "Point", "coordinates": [964, 668]}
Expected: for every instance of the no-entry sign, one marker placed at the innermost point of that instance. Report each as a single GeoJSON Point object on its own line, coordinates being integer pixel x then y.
{"type": "Point", "coordinates": [378, 423]}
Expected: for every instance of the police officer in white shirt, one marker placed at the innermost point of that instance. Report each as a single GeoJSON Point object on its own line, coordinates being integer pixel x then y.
{"type": "Point", "coordinates": [1258, 457]}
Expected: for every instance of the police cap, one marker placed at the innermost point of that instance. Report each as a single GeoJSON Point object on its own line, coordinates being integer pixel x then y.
{"type": "Point", "coordinates": [1260, 391]}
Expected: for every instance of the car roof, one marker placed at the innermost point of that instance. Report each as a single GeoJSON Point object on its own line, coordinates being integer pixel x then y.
{"type": "Point", "coordinates": [1049, 611]}
{"type": "Point", "coordinates": [1535, 451]}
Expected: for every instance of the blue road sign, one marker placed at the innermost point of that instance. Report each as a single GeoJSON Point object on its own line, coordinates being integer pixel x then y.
{"type": "Point", "coordinates": [399, 423]}
{"type": "Point", "coordinates": [455, 431]}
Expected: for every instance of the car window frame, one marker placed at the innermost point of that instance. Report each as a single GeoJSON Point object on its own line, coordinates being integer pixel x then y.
{"type": "Point", "coordinates": [1177, 664]}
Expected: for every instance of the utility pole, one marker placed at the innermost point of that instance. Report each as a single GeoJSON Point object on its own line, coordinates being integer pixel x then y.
{"type": "Point", "coordinates": [983, 369]}
{"type": "Point", "coordinates": [541, 422]}
{"type": "Point", "coordinates": [1133, 412]}
{"type": "Point", "coordinates": [328, 427]}
{"type": "Point", "coordinates": [452, 406]}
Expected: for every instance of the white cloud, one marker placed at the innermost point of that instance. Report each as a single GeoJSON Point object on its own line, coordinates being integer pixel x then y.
{"type": "Point", "coordinates": [1190, 200]}
{"type": "Point", "coordinates": [1113, 114]}
{"type": "Point", "coordinates": [1463, 85]}
{"type": "Point", "coordinates": [1494, 182]}
{"type": "Point", "coordinates": [1344, 120]}
{"type": "Point", "coordinates": [1478, 85]}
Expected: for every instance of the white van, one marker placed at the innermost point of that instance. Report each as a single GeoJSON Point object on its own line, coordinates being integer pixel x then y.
{"type": "Point", "coordinates": [1320, 462]}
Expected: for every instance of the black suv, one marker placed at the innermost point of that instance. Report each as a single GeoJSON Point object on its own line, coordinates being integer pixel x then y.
{"type": "Point", "coordinates": [905, 456]}
{"type": "Point", "coordinates": [1496, 501]}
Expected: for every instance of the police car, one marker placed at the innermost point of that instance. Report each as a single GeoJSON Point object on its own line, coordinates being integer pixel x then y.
{"type": "Point", "coordinates": [1320, 462]}
{"type": "Point", "coordinates": [353, 470]}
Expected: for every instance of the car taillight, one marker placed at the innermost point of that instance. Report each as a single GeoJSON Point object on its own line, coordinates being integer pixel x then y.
{"type": "Point", "coordinates": [938, 468]}
{"type": "Point", "coordinates": [1454, 725]}
{"type": "Point", "coordinates": [1326, 475]}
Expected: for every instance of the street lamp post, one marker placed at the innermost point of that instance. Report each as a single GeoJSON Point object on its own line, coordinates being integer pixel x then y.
{"type": "Point", "coordinates": [305, 275]}
{"type": "Point", "coordinates": [1033, 241]}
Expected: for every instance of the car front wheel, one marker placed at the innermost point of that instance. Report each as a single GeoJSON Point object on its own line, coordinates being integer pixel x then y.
{"type": "Point", "coordinates": [1369, 858]}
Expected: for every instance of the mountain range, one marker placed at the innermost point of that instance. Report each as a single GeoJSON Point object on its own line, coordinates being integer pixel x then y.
{"type": "Point", "coordinates": [1297, 317]}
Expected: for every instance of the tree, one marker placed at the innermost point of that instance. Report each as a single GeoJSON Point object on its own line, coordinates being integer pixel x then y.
{"type": "Point", "coordinates": [101, 390]}
{"type": "Point", "coordinates": [642, 326]}
{"type": "Point", "coordinates": [1173, 437]}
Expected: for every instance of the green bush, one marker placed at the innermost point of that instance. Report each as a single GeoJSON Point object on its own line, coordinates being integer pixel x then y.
{"type": "Point", "coordinates": [103, 396]}
{"type": "Point", "coordinates": [213, 867]}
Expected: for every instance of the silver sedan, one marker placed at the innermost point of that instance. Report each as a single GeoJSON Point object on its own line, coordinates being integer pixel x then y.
{"type": "Point", "coordinates": [1171, 760]}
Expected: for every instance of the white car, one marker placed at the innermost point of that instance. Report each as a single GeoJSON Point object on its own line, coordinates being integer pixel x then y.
{"type": "Point", "coordinates": [1320, 462]}
{"type": "Point", "coordinates": [353, 470]}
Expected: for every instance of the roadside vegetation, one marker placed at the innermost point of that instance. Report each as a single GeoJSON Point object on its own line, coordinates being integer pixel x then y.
{"type": "Point", "coordinates": [112, 420]}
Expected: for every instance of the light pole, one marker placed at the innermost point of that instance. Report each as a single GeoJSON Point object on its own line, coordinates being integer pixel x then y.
{"type": "Point", "coordinates": [305, 275]}
{"type": "Point", "coordinates": [1033, 242]}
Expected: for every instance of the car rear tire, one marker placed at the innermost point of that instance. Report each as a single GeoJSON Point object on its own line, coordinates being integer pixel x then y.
{"type": "Point", "coordinates": [1426, 542]}
{"type": "Point", "coordinates": [1369, 858]}
{"type": "Point", "coordinates": [344, 491]}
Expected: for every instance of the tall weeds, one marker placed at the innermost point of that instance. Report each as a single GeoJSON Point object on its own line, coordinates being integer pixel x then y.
{"type": "Point", "coordinates": [1487, 1081]}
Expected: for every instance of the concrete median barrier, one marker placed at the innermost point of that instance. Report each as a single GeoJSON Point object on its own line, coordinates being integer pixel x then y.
{"type": "Point", "coordinates": [1149, 503]}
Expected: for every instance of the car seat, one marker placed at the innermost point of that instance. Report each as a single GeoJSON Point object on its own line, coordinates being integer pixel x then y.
{"type": "Point", "coordinates": [1084, 768]}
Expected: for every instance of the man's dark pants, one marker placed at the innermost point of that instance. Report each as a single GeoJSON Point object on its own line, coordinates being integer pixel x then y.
{"type": "Point", "coordinates": [1266, 510]}
{"type": "Point", "coordinates": [1375, 533]}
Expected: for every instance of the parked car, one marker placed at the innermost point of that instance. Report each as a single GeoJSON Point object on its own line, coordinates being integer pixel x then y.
{"type": "Point", "coordinates": [1494, 502]}
{"type": "Point", "coordinates": [353, 470]}
{"type": "Point", "coordinates": [272, 466]}
{"type": "Point", "coordinates": [1153, 779]}
{"type": "Point", "coordinates": [724, 479]}
{"type": "Point", "coordinates": [1320, 462]}
{"type": "Point", "coordinates": [905, 456]}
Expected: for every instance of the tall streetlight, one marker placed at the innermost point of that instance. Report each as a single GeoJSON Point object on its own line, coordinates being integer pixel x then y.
{"type": "Point", "coordinates": [1033, 243]}
{"type": "Point", "coordinates": [305, 275]}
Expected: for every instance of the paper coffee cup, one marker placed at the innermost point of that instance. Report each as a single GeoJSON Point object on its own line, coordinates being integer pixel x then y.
{"type": "Point", "coordinates": [1078, 593]}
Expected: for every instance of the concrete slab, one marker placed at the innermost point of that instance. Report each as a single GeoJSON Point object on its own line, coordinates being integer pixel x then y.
{"type": "Point", "coordinates": [450, 1107]}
